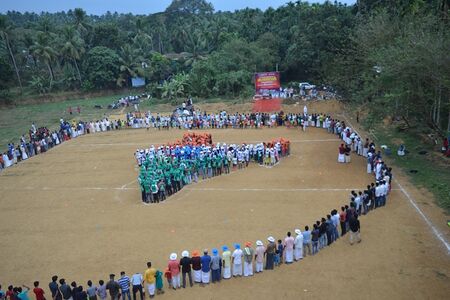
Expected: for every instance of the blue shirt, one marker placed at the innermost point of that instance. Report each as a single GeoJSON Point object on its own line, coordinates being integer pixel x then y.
{"type": "Point", "coordinates": [206, 261]}
{"type": "Point", "coordinates": [124, 283]}
{"type": "Point", "coordinates": [306, 237]}
{"type": "Point", "coordinates": [23, 295]}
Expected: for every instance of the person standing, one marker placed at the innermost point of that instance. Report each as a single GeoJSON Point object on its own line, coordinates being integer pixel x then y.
{"type": "Point", "coordinates": [137, 282]}
{"type": "Point", "coordinates": [54, 288]}
{"type": "Point", "coordinates": [206, 267]}
{"type": "Point", "coordinates": [113, 287]}
{"type": "Point", "coordinates": [289, 248]}
{"type": "Point", "coordinates": [342, 220]}
{"type": "Point", "coordinates": [185, 263]}
{"type": "Point", "coordinates": [259, 256]}
{"type": "Point", "coordinates": [124, 283]}
{"type": "Point", "coordinates": [196, 266]}
{"type": "Point", "coordinates": [91, 291]}
{"type": "Point", "coordinates": [315, 239]}
{"type": "Point", "coordinates": [354, 229]}
{"type": "Point", "coordinates": [306, 241]}
{"type": "Point", "coordinates": [65, 290]}
{"type": "Point", "coordinates": [38, 291]}
{"type": "Point", "coordinates": [226, 262]}
{"type": "Point", "coordinates": [237, 260]}
{"type": "Point", "coordinates": [149, 278]}
{"type": "Point", "coordinates": [248, 259]}
{"type": "Point", "coordinates": [101, 290]}
{"type": "Point", "coordinates": [270, 252]}
{"type": "Point", "coordinates": [174, 268]}
{"type": "Point", "coordinates": [298, 245]}
{"type": "Point", "coordinates": [216, 266]}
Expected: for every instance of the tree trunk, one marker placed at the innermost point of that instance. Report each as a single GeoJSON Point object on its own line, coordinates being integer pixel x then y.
{"type": "Point", "coordinates": [78, 70]}
{"type": "Point", "coordinates": [14, 63]}
{"type": "Point", "coordinates": [51, 74]}
{"type": "Point", "coordinates": [448, 124]}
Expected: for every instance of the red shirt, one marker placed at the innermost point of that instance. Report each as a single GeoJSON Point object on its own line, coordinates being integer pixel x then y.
{"type": "Point", "coordinates": [174, 267]}
{"type": "Point", "coordinates": [39, 293]}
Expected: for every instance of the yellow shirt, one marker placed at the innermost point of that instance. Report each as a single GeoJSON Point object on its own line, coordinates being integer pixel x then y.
{"type": "Point", "coordinates": [149, 275]}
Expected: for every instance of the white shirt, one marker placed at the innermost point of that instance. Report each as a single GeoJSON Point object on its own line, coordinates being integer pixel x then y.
{"type": "Point", "coordinates": [136, 279]}
{"type": "Point", "coordinates": [237, 255]}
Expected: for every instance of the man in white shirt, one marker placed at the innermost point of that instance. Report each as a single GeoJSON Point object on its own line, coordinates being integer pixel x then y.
{"type": "Point", "coordinates": [137, 281]}
{"type": "Point", "coordinates": [378, 191]}
{"type": "Point", "coordinates": [237, 260]}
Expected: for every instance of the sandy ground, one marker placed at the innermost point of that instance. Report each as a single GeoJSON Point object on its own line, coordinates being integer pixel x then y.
{"type": "Point", "coordinates": [76, 212]}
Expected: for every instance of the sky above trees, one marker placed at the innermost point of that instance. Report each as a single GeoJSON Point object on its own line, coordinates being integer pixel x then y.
{"type": "Point", "coordinates": [132, 6]}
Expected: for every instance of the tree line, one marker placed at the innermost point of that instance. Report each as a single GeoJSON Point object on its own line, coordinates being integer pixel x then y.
{"type": "Point", "coordinates": [389, 55]}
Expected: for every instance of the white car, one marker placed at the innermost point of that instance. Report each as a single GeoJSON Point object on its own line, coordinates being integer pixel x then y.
{"type": "Point", "coordinates": [306, 86]}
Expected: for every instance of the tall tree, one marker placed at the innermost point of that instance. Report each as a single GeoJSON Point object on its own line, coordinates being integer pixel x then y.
{"type": "Point", "coordinates": [5, 33]}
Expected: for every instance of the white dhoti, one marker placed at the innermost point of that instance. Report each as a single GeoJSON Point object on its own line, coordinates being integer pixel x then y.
{"type": "Point", "coordinates": [365, 151]}
{"type": "Point", "coordinates": [176, 281]}
{"type": "Point", "coordinates": [289, 255]}
{"type": "Point", "coordinates": [227, 272]}
{"type": "Point", "coordinates": [347, 158]}
{"type": "Point", "coordinates": [341, 158]}
{"type": "Point", "coordinates": [151, 289]}
{"type": "Point", "coordinates": [248, 269]}
{"type": "Point", "coordinates": [259, 267]}
{"type": "Point", "coordinates": [198, 276]}
{"type": "Point", "coordinates": [369, 168]}
{"type": "Point", "coordinates": [205, 277]}
{"type": "Point", "coordinates": [24, 154]}
{"type": "Point", "coordinates": [298, 252]}
{"type": "Point", "coordinates": [237, 269]}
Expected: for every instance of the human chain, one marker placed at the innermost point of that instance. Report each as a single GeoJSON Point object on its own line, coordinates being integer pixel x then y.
{"type": "Point", "coordinates": [166, 169]}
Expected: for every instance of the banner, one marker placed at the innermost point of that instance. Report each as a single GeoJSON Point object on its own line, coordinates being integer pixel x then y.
{"type": "Point", "coordinates": [267, 81]}
{"type": "Point", "coordinates": [137, 81]}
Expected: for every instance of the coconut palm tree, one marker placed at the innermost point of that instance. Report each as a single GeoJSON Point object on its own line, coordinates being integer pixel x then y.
{"type": "Point", "coordinates": [43, 50]}
{"type": "Point", "coordinates": [5, 35]}
{"type": "Point", "coordinates": [130, 65]}
{"type": "Point", "coordinates": [72, 47]}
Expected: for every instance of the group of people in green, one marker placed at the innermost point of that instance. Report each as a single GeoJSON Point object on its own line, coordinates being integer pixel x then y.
{"type": "Point", "coordinates": [166, 169]}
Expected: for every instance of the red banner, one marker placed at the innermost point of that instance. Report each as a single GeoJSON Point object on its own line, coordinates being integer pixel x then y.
{"type": "Point", "coordinates": [267, 81]}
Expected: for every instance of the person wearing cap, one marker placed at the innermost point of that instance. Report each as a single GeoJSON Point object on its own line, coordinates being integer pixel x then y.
{"type": "Point", "coordinates": [226, 262]}
{"type": "Point", "coordinates": [298, 245]}
{"type": "Point", "coordinates": [149, 278]}
{"type": "Point", "coordinates": [196, 266]}
{"type": "Point", "coordinates": [113, 287]}
{"type": "Point", "coordinates": [206, 267]}
{"type": "Point", "coordinates": [259, 256]}
{"type": "Point", "coordinates": [289, 248]}
{"type": "Point", "coordinates": [237, 260]}
{"type": "Point", "coordinates": [185, 263]}
{"type": "Point", "coordinates": [216, 266]}
{"type": "Point", "coordinates": [174, 267]}
{"type": "Point", "coordinates": [270, 252]}
{"type": "Point", "coordinates": [248, 259]}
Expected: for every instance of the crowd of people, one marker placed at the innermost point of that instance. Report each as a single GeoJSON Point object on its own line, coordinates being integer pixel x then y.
{"type": "Point", "coordinates": [166, 169]}
{"type": "Point", "coordinates": [202, 268]}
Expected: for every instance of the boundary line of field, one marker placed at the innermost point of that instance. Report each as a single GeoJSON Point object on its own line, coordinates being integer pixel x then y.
{"type": "Point", "coordinates": [228, 143]}
{"type": "Point", "coordinates": [435, 231]}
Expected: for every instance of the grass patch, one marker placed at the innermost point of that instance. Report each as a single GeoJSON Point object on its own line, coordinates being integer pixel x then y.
{"type": "Point", "coordinates": [433, 169]}
{"type": "Point", "coordinates": [15, 121]}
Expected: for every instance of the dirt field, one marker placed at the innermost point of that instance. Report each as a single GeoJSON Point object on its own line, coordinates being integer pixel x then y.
{"type": "Point", "coordinates": [76, 212]}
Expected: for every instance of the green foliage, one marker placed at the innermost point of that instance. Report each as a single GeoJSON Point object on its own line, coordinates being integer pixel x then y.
{"type": "Point", "coordinates": [102, 67]}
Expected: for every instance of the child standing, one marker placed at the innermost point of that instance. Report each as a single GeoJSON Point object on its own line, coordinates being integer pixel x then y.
{"type": "Point", "coordinates": [168, 276]}
{"type": "Point", "coordinates": [159, 282]}
{"type": "Point", "coordinates": [279, 253]}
